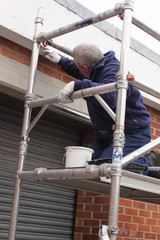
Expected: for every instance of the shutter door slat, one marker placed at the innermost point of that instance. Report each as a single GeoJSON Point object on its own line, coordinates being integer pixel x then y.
{"type": "Point", "coordinates": [45, 212]}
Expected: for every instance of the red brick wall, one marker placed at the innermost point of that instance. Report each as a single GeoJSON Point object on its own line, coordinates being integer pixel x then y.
{"type": "Point", "coordinates": [137, 220]}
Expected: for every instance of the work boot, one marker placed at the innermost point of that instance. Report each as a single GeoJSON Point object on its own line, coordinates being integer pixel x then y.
{"type": "Point", "coordinates": [154, 160]}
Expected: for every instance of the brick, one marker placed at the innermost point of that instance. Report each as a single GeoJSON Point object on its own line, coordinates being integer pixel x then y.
{"type": "Point", "coordinates": [85, 199]}
{"type": "Point", "coordinates": [80, 206]}
{"type": "Point", "coordinates": [124, 233]}
{"type": "Point", "coordinates": [124, 218]}
{"type": "Point", "coordinates": [158, 118]}
{"type": "Point", "coordinates": [121, 225]}
{"type": "Point", "coordinates": [119, 238]}
{"type": "Point", "coordinates": [52, 73]}
{"type": "Point", "coordinates": [144, 213]}
{"type": "Point", "coordinates": [137, 234]}
{"type": "Point", "coordinates": [26, 61]}
{"type": "Point", "coordinates": [93, 207]}
{"type": "Point", "coordinates": [155, 125]}
{"type": "Point", "coordinates": [138, 219]}
{"type": "Point", "coordinates": [48, 63]}
{"type": "Point", "coordinates": [83, 229]}
{"type": "Point", "coordinates": [104, 222]}
{"type": "Point", "coordinates": [81, 193]}
{"type": "Point", "coordinates": [131, 211]}
{"type": "Point", "coordinates": [156, 215]}
{"type": "Point", "coordinates": [100, 215]}
{"type": "Point", "coordinates": [77, 236]}
{"type": "Point", "coordinates": [105, 207]}
{"type": "Point", "coordinates": [151, 221]}
{"type": "Point", "coordinates": [121, 210]}
{"type": "Point", "coordinates": [130, 226]}
{"type": "Point", "coordinates": [150, 236]}
{"type": "Point", "coordinates": [95, 230]}
{"type": "Point", "coordinates": [153, 137]}
{"type": "Point", "coordinates": [92, 194]}
{"type": "Point", "coordinates": [155, 229]}
{"type": "Point", "coordinates": [125, 202]}
{"type": "Point", "coordinates": [154, 111]}
{"type": "Point", "coordinates": [91, 222]}
{"type": "Point", "coordinates": [152, 207]}
{"type": "Point", "coordinates": [157, 133]}
{"type": "Point", "coordinates": [153, 117]}
{"type": "Point", "coordinates": [78, 222]}
{"type": "Point", "coordinates": [83, 214]}
{"type": "Point", "coordinates": [144, 228]}
{"type": "Point", "coordinates": [23, 51]}
{"type": "Point", "coordinates": [100, 199]}
{"type": "Point", "coordinates": [90, 237]}
{"type": "Point", "coordinates": [138, 204]}
{"type": "Point", "coordinates": [66, 78]}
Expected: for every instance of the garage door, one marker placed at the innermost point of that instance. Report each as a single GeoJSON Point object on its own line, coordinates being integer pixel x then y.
{"type": "Point", "coordinates": [45, 212]}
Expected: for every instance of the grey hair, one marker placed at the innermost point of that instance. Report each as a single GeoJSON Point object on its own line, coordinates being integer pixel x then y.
{"type": "Point", "coordinates": [88, 54]}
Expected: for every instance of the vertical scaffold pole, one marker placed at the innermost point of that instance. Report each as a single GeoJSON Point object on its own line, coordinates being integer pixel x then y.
{"type": "Point", "coordinates": [26, 122]}
{"type": "Point", "coordinates": [118, 141]}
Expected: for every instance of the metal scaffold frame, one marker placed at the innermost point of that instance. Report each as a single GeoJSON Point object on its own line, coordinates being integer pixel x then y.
{"type": "Point", "coordinates": [91, 171]}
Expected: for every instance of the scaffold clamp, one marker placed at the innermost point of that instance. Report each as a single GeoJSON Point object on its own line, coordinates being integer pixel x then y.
{"type": "Point", "coordinates": [130, 77]}
{"type": "Point", "coordinates": [45, 43]}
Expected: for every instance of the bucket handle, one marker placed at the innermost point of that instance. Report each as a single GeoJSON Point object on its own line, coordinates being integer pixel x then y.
{"type": "Point", "coordinates": [64, 159]}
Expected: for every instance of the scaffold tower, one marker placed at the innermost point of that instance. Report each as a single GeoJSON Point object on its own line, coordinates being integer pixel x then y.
{"type": "Point", "coordinates": [105, 178]}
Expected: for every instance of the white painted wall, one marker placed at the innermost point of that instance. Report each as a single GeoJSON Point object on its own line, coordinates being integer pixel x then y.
{"type": "Point", "coordinates": [17, 24]}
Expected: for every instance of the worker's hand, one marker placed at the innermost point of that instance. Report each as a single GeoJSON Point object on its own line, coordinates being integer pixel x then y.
{"type": "Point", "coordinates": [64, 94]}
{"type": "Point", "coordinates": [52, 55]}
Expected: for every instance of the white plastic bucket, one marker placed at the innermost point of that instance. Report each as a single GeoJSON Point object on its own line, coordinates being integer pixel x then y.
{"type": "Point", "coordinates": [76, 156]}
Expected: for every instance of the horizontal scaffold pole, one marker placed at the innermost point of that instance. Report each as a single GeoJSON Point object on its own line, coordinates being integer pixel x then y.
{"type": "Point", "coordinates": [117, 10]}
{"type": "Point", "coordinates": [110, 87]}
{"type": "Point", "coordinates": [145, 88]}
{"type": "Point", "coordinates": [146, 28]}
{"type": "Point", "coordinates": [90, 171]}
{"type": "Point", "coordinates": [60, 48]}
